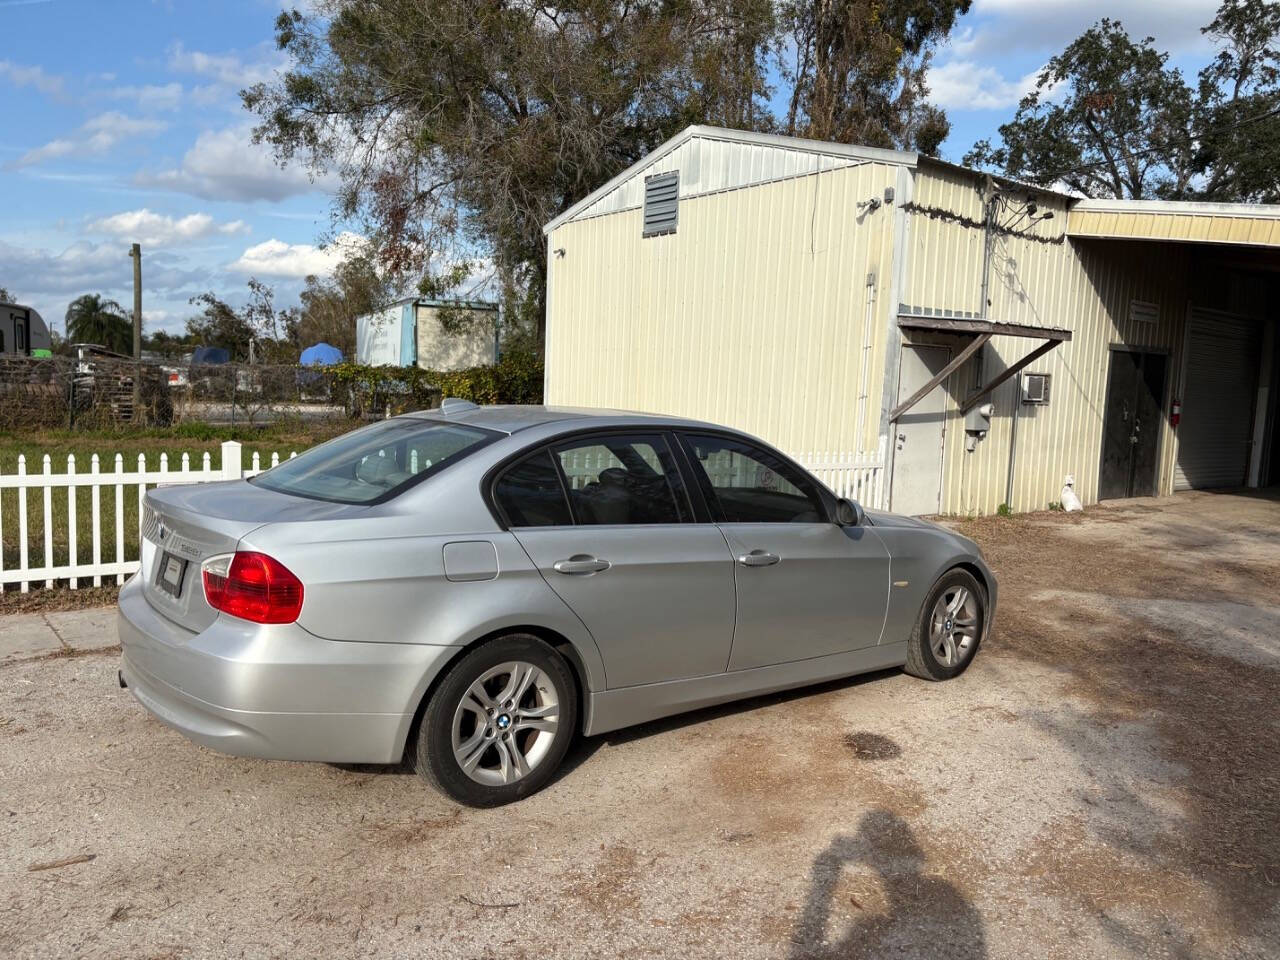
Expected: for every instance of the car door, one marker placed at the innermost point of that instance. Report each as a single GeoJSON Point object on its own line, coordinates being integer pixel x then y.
{"type": "Point", "coordinates": [608, 523]}
{"type": "Point", "coordinates": [806, 587]}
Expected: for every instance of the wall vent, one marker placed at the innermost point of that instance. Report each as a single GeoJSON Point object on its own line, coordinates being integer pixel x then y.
{"type": "Point", "coordinates": [661, 203]}
{"type": "Point", "coordinates": [1141, 311]}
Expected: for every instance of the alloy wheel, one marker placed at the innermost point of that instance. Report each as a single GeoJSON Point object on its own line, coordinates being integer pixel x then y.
{"type": "Point", "coordinates": [505, 723]}
{"type": "Point", "coordinates": [954, 625]}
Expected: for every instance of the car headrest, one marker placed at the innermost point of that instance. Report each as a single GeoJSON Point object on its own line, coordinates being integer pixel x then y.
{"type": "Point", "coordinates": [613, 477]}
{"type": "Point", "coordinates": [381, 472]}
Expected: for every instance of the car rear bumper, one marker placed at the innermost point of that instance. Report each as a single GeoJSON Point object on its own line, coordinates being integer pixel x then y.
{"type": "Point", "coordinates": [274, 692]}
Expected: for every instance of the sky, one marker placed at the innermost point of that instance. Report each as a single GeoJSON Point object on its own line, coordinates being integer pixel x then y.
{"type": "Point", "coordinates": [122, 123]}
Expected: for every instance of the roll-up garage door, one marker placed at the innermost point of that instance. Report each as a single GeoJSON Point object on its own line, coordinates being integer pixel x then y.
{"type": "Point", "coordinates": [1217, 402]}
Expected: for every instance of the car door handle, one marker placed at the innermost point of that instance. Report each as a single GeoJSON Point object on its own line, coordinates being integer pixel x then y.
{"type": "Point", "coordinates": [758, 558]}
{"type": "Point", "coordinates": [580, 565]}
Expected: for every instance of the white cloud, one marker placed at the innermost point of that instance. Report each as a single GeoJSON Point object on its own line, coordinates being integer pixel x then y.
{"type": "Point", "coordinates": [967, 85]}
{"type": "Point", "coordinates": [21, 76]}
{"type": "Point", "coordinates": [225, 165]}
{"type": "Point", "coordinates": [97, 136]}
{"type": "Point", "coordinates": [1001, 27]}
{"type": "Point", "coordinates": [226, 69]}
{"type": "Point", "coordinates": [144, 226]}
{"type": "Point", "coordinates": [85, 267]}
{"type": "Point", "coordinates": [275, 258]}
{"type": "Point", "coordinates": [150, 96]}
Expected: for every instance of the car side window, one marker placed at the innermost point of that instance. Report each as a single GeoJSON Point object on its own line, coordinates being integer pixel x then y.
{"type": "Point", "coordinates": [751, 485]}
{"type": "Point", "coordinates": [529, 494]}
{"type": "Point", "coordinates": [629, 479]}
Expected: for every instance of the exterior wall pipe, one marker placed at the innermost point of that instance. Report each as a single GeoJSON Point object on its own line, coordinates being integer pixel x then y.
{"type": "Point", "coordinates": [1013, 439]}
{"type": "Point", "coordinates": [864, 399]}
{"type": "Point", "coordinates": [988, 215]}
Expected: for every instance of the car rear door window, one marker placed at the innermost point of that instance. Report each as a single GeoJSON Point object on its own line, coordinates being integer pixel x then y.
{"type": "Point", "coordinates": [751, 485]}
{"type": "Point", "coordinates": [530, 494]}
{"type": "Point", "coordinates": [616, 479]}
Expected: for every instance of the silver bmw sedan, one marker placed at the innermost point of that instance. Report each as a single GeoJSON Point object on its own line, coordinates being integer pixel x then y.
{"type": "Point", "coordinates": [470, 587]}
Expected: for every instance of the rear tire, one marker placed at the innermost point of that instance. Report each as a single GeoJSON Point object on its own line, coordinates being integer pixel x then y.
{"type": "Point", "coordinates": [949, 628]}
{"type": "Point", "coordinates": [499, 723]}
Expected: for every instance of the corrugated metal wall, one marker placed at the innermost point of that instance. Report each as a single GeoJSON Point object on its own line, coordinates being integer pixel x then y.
{"type": "Point", "coordinates": [708, 165]}
{"type": "Point", "coordinates": [1234, 224]}
{"type": "Point", "coordinates": [752, 314]}
{"type": "Point", "coordinates": [1083, 286]}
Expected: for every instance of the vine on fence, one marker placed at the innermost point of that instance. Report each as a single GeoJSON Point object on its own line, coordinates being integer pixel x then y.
{"type": "Point", "coordinates": [514, 379]}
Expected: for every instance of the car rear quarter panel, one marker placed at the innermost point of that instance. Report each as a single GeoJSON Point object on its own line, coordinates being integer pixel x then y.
{"type": "Point", "coordinates": [377, 580]}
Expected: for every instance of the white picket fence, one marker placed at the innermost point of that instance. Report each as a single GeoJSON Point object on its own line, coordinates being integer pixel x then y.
{"type": "Point", "coordinates": [859, 476]}
{"type": "Point", "coordinates": [107, 547]}
{"type": "Point", "coordinates": [856, 476]}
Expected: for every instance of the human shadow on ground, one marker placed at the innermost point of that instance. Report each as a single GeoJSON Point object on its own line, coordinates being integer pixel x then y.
{"type": "Point", "coordinates": [924, 915]}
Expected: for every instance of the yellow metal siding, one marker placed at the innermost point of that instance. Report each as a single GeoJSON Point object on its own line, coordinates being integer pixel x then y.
{"type": "Point", "coordinates": [1084, 287]}
{"type": "Point", "coordinates": [752, 314]}
{"type": "Point", "coordinates": [1202, 228]}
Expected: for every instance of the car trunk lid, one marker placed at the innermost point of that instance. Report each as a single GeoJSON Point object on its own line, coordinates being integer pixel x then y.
{"type": "Point", "coordinates": [184, 525]}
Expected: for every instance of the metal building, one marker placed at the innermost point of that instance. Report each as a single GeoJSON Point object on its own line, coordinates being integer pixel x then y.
{"type": "Point", "coordinates": [977, 340]}
{"type": "Point", "coordinates": [409, 333]}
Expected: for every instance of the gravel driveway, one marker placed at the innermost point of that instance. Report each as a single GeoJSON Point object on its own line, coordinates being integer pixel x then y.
{"type": "Point", "coordinates": [1103, 782]}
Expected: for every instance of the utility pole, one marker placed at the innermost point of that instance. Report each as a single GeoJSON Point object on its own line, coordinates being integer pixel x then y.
{"type": "Point", "coordinates": [136, 253]}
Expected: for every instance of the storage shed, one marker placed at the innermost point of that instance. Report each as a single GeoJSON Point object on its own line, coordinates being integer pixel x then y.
{"type": "Point", "coordinates": [970, 339]}
{"type": "Point", "coordinates": [433, 334]}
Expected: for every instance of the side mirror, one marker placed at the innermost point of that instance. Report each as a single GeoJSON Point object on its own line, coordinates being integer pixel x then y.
{"type": "Point", "coordinates": [849, 513]}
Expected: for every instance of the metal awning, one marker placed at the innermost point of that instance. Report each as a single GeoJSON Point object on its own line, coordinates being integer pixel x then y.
{"type": "Point", "coordinates": [1238, 224]}
{"type": "Point", "coordinates": [981, 331]}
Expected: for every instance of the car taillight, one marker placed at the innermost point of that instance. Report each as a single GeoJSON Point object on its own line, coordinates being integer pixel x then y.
{"type": "Point", "coordinates": [252, 586]}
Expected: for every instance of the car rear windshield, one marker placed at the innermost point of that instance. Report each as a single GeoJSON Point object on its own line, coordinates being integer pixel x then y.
{"type": "Point", "coordinates": [377, 462]}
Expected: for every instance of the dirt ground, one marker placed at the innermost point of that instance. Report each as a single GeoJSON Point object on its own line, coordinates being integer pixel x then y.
{"type": "Point", "coordinates": [1103, 782]}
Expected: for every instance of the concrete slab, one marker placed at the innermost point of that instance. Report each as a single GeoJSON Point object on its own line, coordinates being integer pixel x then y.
{"type": "Point", "coordinates": [26, 635]}
{"type": "Point", "coordinates": [85, 629]}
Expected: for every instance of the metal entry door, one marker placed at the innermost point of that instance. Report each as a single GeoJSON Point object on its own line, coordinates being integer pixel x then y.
{"type": "Point", "coordinates": [1131, 430]}
{"type": "Point", "coordinates": [918, 434]}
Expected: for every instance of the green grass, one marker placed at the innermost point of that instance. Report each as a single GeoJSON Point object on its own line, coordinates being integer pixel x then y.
{"type": "Point", "coordinates": [193, 439]}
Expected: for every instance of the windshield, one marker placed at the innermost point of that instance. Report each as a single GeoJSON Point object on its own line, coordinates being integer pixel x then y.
{"type": "Point", "coordinates": [376, 462]}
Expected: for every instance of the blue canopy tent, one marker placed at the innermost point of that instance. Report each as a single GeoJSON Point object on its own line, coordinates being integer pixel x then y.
{"type": "Point", "coordinates": [320, 355]}
{"type": "Point", "coordinates": [317, 355]}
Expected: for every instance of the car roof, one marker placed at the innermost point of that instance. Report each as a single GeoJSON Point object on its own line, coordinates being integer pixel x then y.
{"type": "Point", "coordinates": [513, 418]}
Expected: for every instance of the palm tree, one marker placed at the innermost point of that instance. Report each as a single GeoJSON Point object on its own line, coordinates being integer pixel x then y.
{"type": "Point", "coordinates": [91, 319]}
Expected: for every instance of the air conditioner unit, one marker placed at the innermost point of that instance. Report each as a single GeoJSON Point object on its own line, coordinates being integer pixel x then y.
{"type": "Point", "coordinates": [1035, 388]}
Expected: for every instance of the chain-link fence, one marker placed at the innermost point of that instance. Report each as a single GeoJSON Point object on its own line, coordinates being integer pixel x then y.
{"type": "Point", "coordinates": [98, 392]}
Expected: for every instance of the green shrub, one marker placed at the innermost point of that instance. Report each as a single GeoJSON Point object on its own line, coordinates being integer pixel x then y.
{"type": "Point", "coordinates": [517, 378]}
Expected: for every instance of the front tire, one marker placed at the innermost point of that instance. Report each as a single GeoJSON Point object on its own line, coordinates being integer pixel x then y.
{"type": "Point", "coordinates": [950, 627]}
{"type": "Point", "coordinates": [500, 722]}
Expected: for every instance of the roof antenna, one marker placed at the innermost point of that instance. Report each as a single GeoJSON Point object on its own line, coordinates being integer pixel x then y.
{"type": "Point", "coordinates": [451, 405]}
